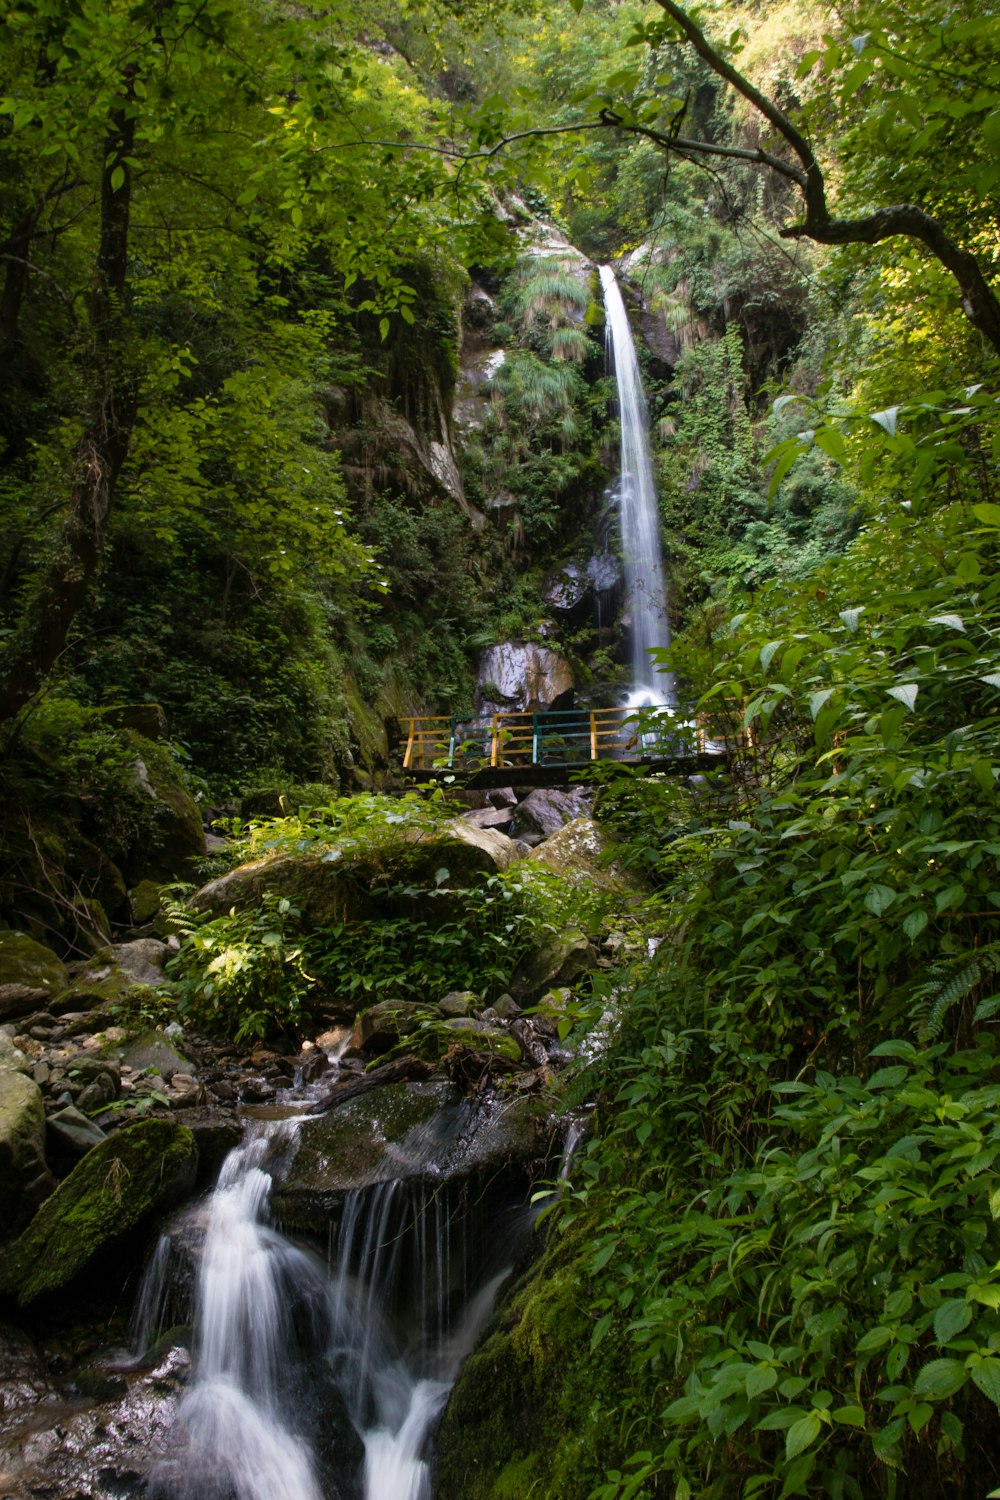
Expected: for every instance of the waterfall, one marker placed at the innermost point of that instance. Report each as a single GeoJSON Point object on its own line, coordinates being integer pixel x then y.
{"type": "Point", "coordinates": [324, 1380]}
{"type": "Point", "coordinates": [646, 588]}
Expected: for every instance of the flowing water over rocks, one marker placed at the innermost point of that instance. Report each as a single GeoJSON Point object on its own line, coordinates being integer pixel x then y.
{"type": "Point", "coordinates": [320, 1371]}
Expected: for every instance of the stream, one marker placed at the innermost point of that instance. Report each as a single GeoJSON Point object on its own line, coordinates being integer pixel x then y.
{"type": "Point", "coordinates": [322, 1377]}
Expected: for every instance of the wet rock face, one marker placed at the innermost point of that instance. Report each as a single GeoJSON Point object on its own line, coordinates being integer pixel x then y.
{"type": "Point", "coordinates": [415, 1130]}
{"type": "Point", "coordinates": [94, 1438]}
{"type": "Point", "coordinates": [580, 591]}
{"type": "Point", "coordinates": [523, 675]}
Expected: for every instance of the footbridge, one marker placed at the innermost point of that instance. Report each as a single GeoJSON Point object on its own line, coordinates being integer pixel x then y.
{"type": "Point", "coordinates": [546, 748]}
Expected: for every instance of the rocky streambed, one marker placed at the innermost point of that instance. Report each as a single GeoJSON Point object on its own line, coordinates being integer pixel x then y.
{"type": "Point", "coordinates": [397, 1144]}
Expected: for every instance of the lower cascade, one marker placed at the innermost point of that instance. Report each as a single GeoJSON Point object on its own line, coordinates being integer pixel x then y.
{"type": "Point", "coordinates": [321, 1377]}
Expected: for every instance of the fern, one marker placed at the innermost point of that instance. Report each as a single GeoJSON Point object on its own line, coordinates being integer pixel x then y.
{"type": "Point", "coordinates": [949, 983]}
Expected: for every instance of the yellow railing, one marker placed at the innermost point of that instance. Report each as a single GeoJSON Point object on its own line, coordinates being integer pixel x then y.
{"type": "Point", "coordinates": [563, 737]}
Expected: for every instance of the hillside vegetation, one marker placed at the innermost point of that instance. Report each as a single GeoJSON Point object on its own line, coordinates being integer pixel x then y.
{"type": "Point", "coordinates": [243, 251]}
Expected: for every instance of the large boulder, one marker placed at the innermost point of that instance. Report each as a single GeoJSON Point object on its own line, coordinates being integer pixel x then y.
{"type": "Point", "coordinates": [25, 1180]}
{"type": "Point", "coordinates": [120, 1184]}
{"type": "Point", "coordinates": [329, 887]}
{"type": "Point", "coordinates": [545, 810]}
{"type": "Point", "coordinates": [30, 974]}
{"type": "Point", "coordinates": [557, 962]}
{"type": "Point", "coordinates": [142, 959]}
{"type": "Point", "coordinates": [523, 675]}
{"type": "Point", "coordinates": [383, 1025]}
{"type": "Point", "coordinates": [423, 1131]}
{"type": "Point", "coordinates": [178, 835]}
{"type": "Point", "coordinates": [579, 852]}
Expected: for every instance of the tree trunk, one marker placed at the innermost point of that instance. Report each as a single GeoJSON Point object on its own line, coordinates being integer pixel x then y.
{"type": "Point", "coordinates": [102, 447]}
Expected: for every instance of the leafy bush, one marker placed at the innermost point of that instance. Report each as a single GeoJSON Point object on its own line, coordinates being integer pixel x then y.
{"type": "Point", "coordinates": [791, 1196]}
{"type": "Point", "coordinates": [241, 975]}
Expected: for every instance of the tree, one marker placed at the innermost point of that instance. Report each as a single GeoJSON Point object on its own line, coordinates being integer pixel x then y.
{"type": "Point", "coordinates": [178, 166]}
{"type": "Point", "coordinates": [943, 75]}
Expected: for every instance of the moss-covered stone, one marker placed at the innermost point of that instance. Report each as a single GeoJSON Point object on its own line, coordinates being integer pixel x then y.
{"type": "Point", "coordinates": [144, 900]}
{"type": "Point", "coordinates": [25, 962]}
{"type": "Point", "coordinates": [481, 1037]}
{"type": "Point", "coordinates": [530, 1413]}
{"type": "Point", "coordinates": [579, 851]}
{"type": "Point", "coordinates": [383, 1025]}
{"type": "Point", "coordinates": [142, 1170]}
{"type": "Point", "coordinates": [98, 985]}
{"type": "Point", "coordinates": [558, 960]}
{"type": "Point", "coordinates": [404, 1130]}
{"type": "Point", "coordinates": [354, 1146]}
{"type": "Point", "coordinates": [102, 878]}
{"type": "Point", "coordinates": [24, 1177]}
{"type": "Point", "coordinates": [178, 835]}
{"type": "Point", "coordinates": [329, 891]}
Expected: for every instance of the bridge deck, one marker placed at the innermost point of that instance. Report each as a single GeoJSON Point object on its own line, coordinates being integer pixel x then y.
{"type": "Point", "coordinates": [537, 748]}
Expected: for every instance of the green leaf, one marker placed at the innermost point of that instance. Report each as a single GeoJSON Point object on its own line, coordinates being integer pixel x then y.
{"type": "Point", "coordinates": [988, 513]}
{"type": "Point", "coordinates": [801, 1434]}
{"type": "Point", "coordinates": [878, 899]}
{"type": "Point", "coordinates": [600, 1329]}
{"type": "Point", "coordinates": [940, 1378]}
{"type": "Point", "coordinates": [117, 178]}
{"type": "Point", "coordinates": [383, 328]}
{"type": "Point", "coordinates": [914, 923]}
{"type": "Point", "coordinates": [760, 1380]}
{"type": "Point", "coordinates": [817, 700]}
{"type": "Point", "coordinates": [951, 1318]}
{"type": "Point", "coordinates": [851, 617]}
{"type": "Point", "coordinates": [905, 692]}
{"type": "Point", "coordinates": [849, 1416]}
{"type": "Point", "coordinates": [875, 1338]}
{"type": "Point", "coordinates": [887, 419]}
{"type": "Point", "coordinates": [986, 1375]}
{"type": "Point", "coordinates": [831, 442]}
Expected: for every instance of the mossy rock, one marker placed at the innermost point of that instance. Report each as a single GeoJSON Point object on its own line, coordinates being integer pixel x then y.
{"type": "Point", "coordinates": [144, 900]}
{"type": "Point", "coordinates": [480, 1036]}
{"type": "Point", "coordinates": [579, 851]}
{"type": "Point", "coordinates": [560, 959]}
{"type": "Point", "coordinates": [24, 1177]}
{"type": "Point", "coordinates": [178, 835]}
{"type": "Point", "coordinates": [99, 985]}
{"type": "Point", "coordinates": [532, 1410]}
{"type": "Point", "coordinates": [382, 1026]}
{"type": "Point", "coordinates": [101, 876]}
{"type": "Point", "coordinates": [29, 964]}
{"type": "Point", "coordinates": [142, 1170]}
{"type": "Point", "coordinates": [30, 975]}
{"type": "Point", "coordinates": [409, 1130]}
{"type": "Point", "coordinates": [330, 890]}
{"type": "Point", "coordinates": [354, 1146]}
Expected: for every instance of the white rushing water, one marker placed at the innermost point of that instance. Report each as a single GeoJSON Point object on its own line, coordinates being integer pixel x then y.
{"type": "Point", "coordinates": [644, 580]}
{"type": "Point", "coordinates": [289, 1350]}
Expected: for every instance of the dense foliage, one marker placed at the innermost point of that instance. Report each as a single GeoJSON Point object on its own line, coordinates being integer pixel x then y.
{"type": "Point", "coordinates": [238, 245]}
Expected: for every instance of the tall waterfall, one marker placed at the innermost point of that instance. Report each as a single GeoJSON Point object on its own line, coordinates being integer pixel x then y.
{"type": "Point", "coordinates": [647, 591]}
{"type": "Point", "coordinates": [313, 1380]}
